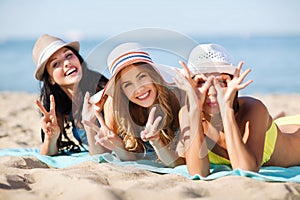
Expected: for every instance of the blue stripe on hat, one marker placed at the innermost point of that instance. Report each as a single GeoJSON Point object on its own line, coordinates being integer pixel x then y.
{"type": "Point", "coordinates": [128, 57]}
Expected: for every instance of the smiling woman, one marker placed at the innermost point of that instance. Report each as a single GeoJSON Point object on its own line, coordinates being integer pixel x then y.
{"type": "Point", "coordinates": [65, 79]}
{"type": "Point", "coordinates": [141, 108]}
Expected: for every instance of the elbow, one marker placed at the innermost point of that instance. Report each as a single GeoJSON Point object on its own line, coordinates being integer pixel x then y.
{"type": "Point", "coordinates": [194, 171]}
{"type": "Point", "coordinates": [249, 166]}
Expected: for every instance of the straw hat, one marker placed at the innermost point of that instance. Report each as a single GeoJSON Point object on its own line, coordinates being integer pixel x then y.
{"type": "Point", "coordinates": [209, 58]}
{"type": "Point", "coordinates": [123, 56]}
{"type": "Point", "coordinates": [44, 48]}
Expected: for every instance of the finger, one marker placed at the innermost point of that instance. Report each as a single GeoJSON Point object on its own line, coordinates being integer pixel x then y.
{"type": "Point", "coordinates": [217, 85]}
{"type": "Point", "coordinates": [242, 86]}
{"type": "Point", "coordinates": [93, 126]}
{"type": "Point", "coordinates": [52, 119]}
{"type": "Point", "coordinates": [52, 105]}
{"type": "Point", "coordinates": [243, 76]}
{"type": "Point", "coordinates": [151, 117]}
{"type": "Point", "coordinates": [86, 99]}
{"type": "Point", "coordinates": [187, 72]}
{"type": "Point", "coordinates": [143, 135]}
{"type": "Point", "coordinates": [238, 69]}
{"type": "Point", "coordinates": [100, 118]}
{"type": "Point", "coordinates": [41, 107]}
{"type": "Point", "coordinates": [207, 84]}
{"type": "Point", "coordinates": [156, 122]}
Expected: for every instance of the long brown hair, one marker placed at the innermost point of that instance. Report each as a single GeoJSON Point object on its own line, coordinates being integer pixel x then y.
{"type": "Point", "coordinates": [131, 118]}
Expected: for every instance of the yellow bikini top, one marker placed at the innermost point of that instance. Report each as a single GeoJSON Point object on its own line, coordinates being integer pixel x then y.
{"type": "Point", "coordinates": [270, 140]}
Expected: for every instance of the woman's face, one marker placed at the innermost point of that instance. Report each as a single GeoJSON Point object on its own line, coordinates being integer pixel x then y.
{"type": "Point", "coordinates": [64, 68]}
{"type": "Point", "coordinates": [138, 86]}
{"type": "Point", "coordinates": [211, 105]}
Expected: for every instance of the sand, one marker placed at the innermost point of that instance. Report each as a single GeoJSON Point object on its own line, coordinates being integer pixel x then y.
{"type": "Point", "coordinates": [28, 178]}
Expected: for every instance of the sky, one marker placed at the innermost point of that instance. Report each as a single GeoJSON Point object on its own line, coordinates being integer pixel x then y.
{"type": "Point", "coordinates": [96, 18]}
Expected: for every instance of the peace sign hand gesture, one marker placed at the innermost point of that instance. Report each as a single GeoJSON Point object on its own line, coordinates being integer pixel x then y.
{"type": "Point", "coordinates": [151, 132]}
{"type": "Point", "coordinates": [105, 136]}
{"type": "Point", "coordinates": [49, 120]}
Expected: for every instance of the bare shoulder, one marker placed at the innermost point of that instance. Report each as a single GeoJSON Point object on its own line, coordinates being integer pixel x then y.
{"type": "Point", "coordinates": [252, 108]}
{"type": "Point", "coordinates": [251, 103]}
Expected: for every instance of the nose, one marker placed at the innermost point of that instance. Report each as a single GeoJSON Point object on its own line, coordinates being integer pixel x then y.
{"type": "Point", "coordinates": [66, 63]}
{"type": "Point", "coordinates": [138, 89]}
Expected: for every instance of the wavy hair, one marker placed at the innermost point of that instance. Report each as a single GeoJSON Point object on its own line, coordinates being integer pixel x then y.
{"type": "Point", "coordinates": [131, 118]}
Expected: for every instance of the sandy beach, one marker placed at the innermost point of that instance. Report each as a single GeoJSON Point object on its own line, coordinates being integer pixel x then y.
{"type": "Point", "coordinates": [28, 178]}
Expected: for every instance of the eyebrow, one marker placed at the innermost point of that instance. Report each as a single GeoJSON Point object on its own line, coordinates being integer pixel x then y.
{"type": "Point", "coordinates": [56, 58]}
{"type": "Point", "coordinates": [135, 77]}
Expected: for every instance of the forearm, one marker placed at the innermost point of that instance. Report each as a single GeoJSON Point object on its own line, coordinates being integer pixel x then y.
{"type": "Point", "coordinates": [196, 148]}
{"type": "Point", "coordinates": [124, 155]}
{"type": "Point", "coordinates": [239, 155]}
{"type": "Point", "coordinates": [49, 147]}
{"type": "Point", "coordinates": [166, 155]}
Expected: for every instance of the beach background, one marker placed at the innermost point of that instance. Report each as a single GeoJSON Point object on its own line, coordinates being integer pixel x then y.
{"type": "Point", "coordinates": [265, 35]}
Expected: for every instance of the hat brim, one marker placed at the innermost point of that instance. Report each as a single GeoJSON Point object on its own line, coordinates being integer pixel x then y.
{"type": "Point", "coordinates": [228, 69]}
{"type": "Point", "coordinates": [41, 68]}
{"type": "Point", "coordinates": [167, 73]}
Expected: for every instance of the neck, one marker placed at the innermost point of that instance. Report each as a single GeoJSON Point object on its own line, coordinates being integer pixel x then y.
{"type": "Point", "coordinates": [71, 92]}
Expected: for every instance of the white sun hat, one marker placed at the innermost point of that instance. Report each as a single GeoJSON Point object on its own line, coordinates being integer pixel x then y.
{"type": "Point", "coordinates": [124, 55]}
{"type": "Point", "coordinates": [209, 58]}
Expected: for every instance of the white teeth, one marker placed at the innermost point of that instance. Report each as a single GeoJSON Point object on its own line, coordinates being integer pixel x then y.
{"type": "Point", "coordinates": [143, 96]}
{"type": "Point", "coordinates": [71, 71]}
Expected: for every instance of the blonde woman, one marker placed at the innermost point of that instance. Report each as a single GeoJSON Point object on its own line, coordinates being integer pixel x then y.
{"type": "Point", "coordinates": [141, 109]}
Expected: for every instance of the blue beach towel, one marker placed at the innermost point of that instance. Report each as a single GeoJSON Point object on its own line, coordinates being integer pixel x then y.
{"type": "Point", "coordinates": [59, 161]}
{"type": "Point", "coordinates": [271, 174]}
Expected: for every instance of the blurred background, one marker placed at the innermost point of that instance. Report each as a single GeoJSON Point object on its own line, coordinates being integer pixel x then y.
{"type": "Point", "coordinates": [264, 34]}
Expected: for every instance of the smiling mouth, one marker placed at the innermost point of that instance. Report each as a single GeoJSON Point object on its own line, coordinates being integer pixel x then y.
{"type": "Point", "coordinates": [212, 104]}
{"type": "Point", "coordinates": [71, 71]}
{"type": "Point", "coordinates": [144, 96]}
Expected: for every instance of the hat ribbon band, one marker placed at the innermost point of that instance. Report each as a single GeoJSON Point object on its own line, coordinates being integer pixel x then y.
{"type": "Point", "coordinates": [134, 56]}
{"type": "Point", "coordinates": [49, 48]}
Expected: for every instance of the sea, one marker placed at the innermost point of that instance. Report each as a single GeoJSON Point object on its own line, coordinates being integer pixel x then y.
{"type": "Point", "coordinates": [274, 60]}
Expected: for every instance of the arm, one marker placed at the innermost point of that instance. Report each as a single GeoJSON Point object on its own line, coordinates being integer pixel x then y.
{"type": "Point", "coordinates": [196, 151]}
{"type": "Point", "coordinates": [88, 114]}
{"type": "Point", "coordinates": [111, 140]}
{"type": "Point", "coordinates": [50, 127]}
{"type": "Point", "coordinates": [245, 148]}
{"type": "Point", "coordinates": [163, 151]}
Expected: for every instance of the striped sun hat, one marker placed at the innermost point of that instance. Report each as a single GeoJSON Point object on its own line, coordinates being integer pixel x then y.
{"type": "Point", "coordinates": [123, 56]}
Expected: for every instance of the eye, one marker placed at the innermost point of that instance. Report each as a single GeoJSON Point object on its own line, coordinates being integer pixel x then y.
{"type": "Point", "coordinates": [141, 76]}
{"type": "Point", "coordinates": [55, 64]}
{"type": "Point", "coordinates": [223, 82]}
{"type": "Point", "coordinates": [126, 85]}
{"type": "Point", "coordinates": [69, 55]}
{"type": "Point", "coordinates": [200, 82]}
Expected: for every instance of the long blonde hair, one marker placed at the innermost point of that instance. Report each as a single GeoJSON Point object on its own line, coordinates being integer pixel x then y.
{"type": "Point", "coordinates": [131, 118]}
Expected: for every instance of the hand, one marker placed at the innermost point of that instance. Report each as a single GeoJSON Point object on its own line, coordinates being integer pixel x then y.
{"type": "Point", "coordinates": [88, 111]}
{"type": "Point", "coordinates": [49, 120]}
{"type": "Point", "coordinates": [151, 132]}
{"type": "Point", "coordinates": [196, 94]}
{"type": "Point", "coordinates": [227, 96]}
{"type": "Point", "coordinates": [105, 137]}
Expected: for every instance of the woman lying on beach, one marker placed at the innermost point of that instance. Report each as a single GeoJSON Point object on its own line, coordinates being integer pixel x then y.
{"type": "Point", "coordinates": [136, 95]}
{"type": "Point", "coordinates": [224, 128]}
{"type": "Point", "coordinates": [65, 78]}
